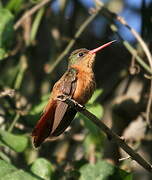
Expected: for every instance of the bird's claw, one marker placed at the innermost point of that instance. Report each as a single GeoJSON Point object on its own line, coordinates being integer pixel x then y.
{"type": "Point", "coordinates": [71, 102]}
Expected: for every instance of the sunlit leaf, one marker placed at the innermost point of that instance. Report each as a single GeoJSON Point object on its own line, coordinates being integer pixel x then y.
{"type": "Point", "coordinates": [14, 5]}
{"type": "Point", "coordinates": [6, 31]}
{"type": "Point", "coordinates": [97, 140]}
{"type": "Point", "coordinates": [95, 95]}
{"type": "Point", "coordinates": [16, 142]}
{"type": "Point", "coordinates": [103, 171]}
{"type": "Point", "coordinates": [39, 107]}
{"type": "Point", "coordinates": [10, 172]}
{"type": "Point", "coordinates": [4, 157]}
{"type": "Point", "coordinates": [42, 168]}
{"type": "Point", "coordinates": [97, 110]}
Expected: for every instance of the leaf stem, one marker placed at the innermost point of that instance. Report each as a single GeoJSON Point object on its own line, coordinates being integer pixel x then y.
{"type": "Point", "coordinates": [16, 118]}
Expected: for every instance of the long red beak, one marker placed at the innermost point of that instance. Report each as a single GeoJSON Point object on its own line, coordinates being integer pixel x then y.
{"type": "Point", "coordinates": [101, 47]}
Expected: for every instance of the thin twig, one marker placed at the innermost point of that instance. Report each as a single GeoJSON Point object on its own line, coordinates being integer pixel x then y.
{"type": "Point", "coordinates": [149, 58]}
{"type": "Point", "coordinates": [134, 155]}
{"type": "Point", "coordinates": [124, 158]}
{"type": "Point", "coordinates": [148, 108]}
{"type": "Point", "coordinates": [144, 46]}
{"type": "Point", "coordinates": [144, 65]}
{"type": "Point", "coordinates": [132, 50]}
{"type": "Point", "coordinates": [7, 92]}
{"type": "Point", "coordinates": [23, 66]}
{"type": "Point", "coordinates": [30, 12]}
{"type": "Point", "coordinates": [16, 118]}
{"type": "Point", "coordinates": [138, 37]}
{"type": "Point", "coordinates": [71, 43]}
{"type": "Point", "coordinates": [36, 23]}
{"type": "Point", "coordinates": [134, 68]}
{"type": "Point", "coordinates": [112, 16]}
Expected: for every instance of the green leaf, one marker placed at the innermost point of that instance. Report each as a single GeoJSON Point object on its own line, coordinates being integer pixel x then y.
{"type": "Point", "coordinates": [1, 4]}
{"type": "Point", "coordinates": [42, 168]}
{"type": "Point", "coordinates": [6, 168]}
{"type": "Point", "coordinates": [10, 172]}
{"type": "Point", "coordinates": [36, 24]}
{"type": "Point", "coordinates": [4, 157]}
{"type": "Point", "coordinates": [97, 140]}
{"type": "Point", "coordinates": [37, 109]}
{"type": "Point", "coordinates": [3, 53]}
{"type": "Point", "coordinates": [14, 5]}
{"type": "Point", "coordinates": [16, 142]}
{"type": "Point", "coordinates": [95, 95]}
{"type": "Point", "coordinates": [103, 171]}
{"type": "Point", "coordinates": [6, 31]}
{"type": "Point", "coordinates": [11, 72]}
{"type": "Point", "coordinates": [97, 110]}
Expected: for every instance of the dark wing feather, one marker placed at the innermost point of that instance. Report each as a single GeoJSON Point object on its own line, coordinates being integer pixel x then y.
{"type": "Point", "coordinates": [61, 108]}
{"type": "Point", "coordinates": [63, 113]}
{"type": "Point", "coordinates": [65, 122]}
{"type": "Point", "coordinates": [57, 115]}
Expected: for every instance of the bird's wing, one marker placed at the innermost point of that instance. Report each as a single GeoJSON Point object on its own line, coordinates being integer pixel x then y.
{"type": "Point", "coordinates": [57, 115]}
{"type": "Point", "coordinates": [63, 113]}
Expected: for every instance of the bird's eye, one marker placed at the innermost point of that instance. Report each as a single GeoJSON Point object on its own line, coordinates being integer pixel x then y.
{"type": "Point", "coordinates": [81, 54]}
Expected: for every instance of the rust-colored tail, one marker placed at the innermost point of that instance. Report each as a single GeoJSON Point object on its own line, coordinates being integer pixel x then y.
{"type": "Point", "coordinates": [56, 118]}
{"type": "Point", "coordinates": [43, 127]}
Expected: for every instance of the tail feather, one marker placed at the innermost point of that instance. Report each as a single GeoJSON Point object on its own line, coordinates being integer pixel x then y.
{"type": "Point", "coordinates": [44, 126]}
{"type": "Point", "coordinates": [56, 118]}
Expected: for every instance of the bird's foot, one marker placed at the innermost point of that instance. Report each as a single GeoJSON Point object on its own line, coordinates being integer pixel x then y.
{"type": "Point", "coordinates": [71, 102]}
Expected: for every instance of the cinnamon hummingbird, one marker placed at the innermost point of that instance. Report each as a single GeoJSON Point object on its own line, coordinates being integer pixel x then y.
{"type": "Point", "coordinates": [78, 83]}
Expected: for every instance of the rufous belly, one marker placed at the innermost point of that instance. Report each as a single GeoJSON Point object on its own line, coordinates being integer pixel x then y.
{"type": "Point", "coordinates": [85, 86]}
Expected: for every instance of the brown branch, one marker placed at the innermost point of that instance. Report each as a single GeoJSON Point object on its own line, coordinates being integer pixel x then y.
{"type": "Point", "coordinates": [134, 68]}
{"type": "Point", "coordinates": [148, 108]}
{"type": "Point", "coordinates": [120, 141]}
{"type": "Point", "coordinates": [7, 92]}
{"type": "Point", "coordinates": [138, 37]}
{"type": "Point", "coordinates": [120, 19]}
{"type": "Point", "coordinates": [149, 58]}
{"type": "Point", "coordinates": [110, 15]}
{"type": "Point", "coordinates": [29, 13]}
{"type": "Point", "coordinates": [124, 158]}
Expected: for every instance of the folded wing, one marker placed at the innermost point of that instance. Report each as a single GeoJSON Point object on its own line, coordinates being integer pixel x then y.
{"type": "Point", "coordinates": [57, 115]}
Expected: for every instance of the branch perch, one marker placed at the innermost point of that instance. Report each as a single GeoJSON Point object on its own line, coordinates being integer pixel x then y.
{"type": "Point", "coordinates": [120, 141]}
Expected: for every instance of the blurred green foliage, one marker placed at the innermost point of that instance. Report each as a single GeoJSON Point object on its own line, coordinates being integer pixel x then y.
{"type": "Point", "coordinates": [26, 53]}
{"type": "Point", "coordinates": [101, 171]}
{"type": "Point", "coordinates": [16, 142]}
{"type": "Point", "coordinates": [6, 32]}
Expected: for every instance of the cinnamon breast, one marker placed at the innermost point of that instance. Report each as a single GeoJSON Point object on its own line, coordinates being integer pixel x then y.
{"type": "Point", "coordinates": [85, 85]}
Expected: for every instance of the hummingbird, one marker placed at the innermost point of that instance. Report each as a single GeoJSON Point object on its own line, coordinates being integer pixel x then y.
{"type": "Point", "coordinates": [78, 83]}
